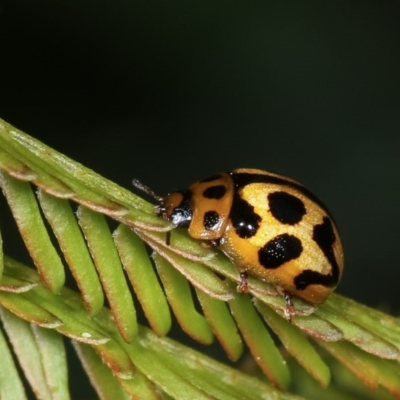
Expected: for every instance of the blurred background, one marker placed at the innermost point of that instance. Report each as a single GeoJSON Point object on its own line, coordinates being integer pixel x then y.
{"type": "Point", "coordinates": [170, 92]}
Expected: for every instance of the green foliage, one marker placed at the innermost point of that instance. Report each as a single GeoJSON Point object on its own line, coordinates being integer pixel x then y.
{"type": "Point", "coordinates": [124, 359]}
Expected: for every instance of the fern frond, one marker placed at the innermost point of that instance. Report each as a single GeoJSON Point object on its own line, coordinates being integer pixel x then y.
{"type": "Point", "coordinates": [142, 362]}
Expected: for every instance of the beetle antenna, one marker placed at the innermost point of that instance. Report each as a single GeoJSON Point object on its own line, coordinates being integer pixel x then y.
{"type": "Point", "coordinates": [139, 185]}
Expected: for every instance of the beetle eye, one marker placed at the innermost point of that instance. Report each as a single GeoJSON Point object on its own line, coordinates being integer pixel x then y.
{"type": "Point", "coordinates": [182, 215]}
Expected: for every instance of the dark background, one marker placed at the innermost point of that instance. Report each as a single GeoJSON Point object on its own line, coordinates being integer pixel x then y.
{"type": "Point", "coordinates": [172, 91]}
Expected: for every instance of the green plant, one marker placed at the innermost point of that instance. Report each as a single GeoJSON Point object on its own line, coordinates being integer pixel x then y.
{"type": "Point", "coordinates": [124, 359]}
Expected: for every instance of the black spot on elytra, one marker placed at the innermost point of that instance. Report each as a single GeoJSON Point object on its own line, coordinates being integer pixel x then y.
{"type": "Point", "coordinates": [279, 250]}
{"type": "Point", "coordinates": [212, 178]}
{"type": "Point", "coordinates": [242, 179]}
{"type": "Point", "coordinates": [215, 192]}
{"type": "Point", "coordinates": [211, 220]}
{"type": "Point", "coordinates": [286, 208]}
{"type": "Point", "coordinates": [244, 220]}
{"type": "Point", "coordinates": [324, 237]}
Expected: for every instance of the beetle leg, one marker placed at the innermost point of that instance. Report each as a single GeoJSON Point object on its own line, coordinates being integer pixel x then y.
{"type": "Point", "coordinates": [243, 286]}
{"type": "Point", "coordinates": [289, 309]}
